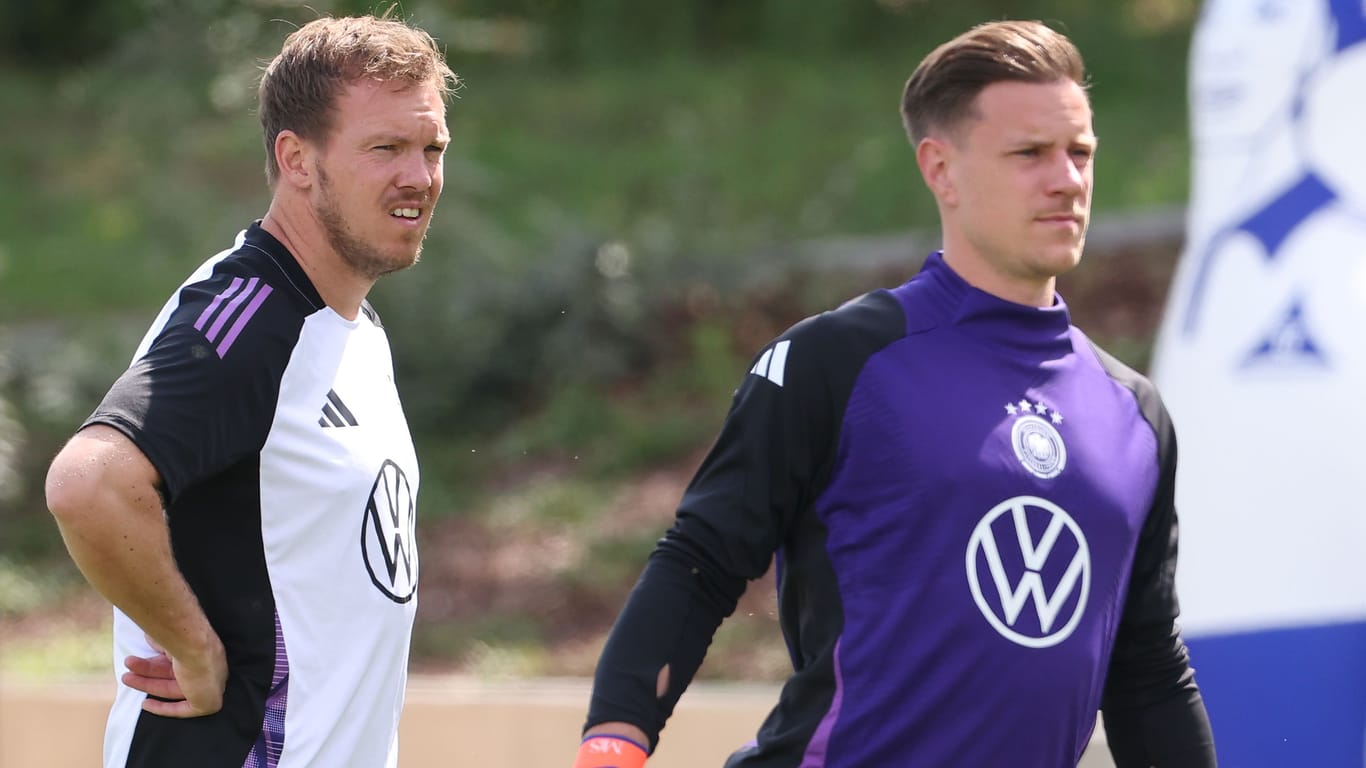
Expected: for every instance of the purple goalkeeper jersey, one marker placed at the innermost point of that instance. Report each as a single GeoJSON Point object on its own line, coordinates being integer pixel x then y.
{"type": "Point", "coordinates": [960, 491]}
{"type": "Point", "coordinates": [985, 499]}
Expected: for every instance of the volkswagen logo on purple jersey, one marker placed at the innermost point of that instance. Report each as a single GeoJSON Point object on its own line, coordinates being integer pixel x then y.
{"type": "Point", "coordinates": [388, 534]}
{"type": "Point", "coordinates": [1026, 552]}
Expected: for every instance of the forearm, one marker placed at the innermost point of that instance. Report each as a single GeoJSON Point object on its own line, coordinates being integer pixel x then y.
{"type": "Point", "coordinates": [1172, 733]}
{"type": "Point", "coordinates": [656, 646]}
{"type": "Point", "coordinates": [1153, 712]}
{"type": "Point", "coordinates": [110, 516]}
{"type": "Point", "coordinates": [626, 730]}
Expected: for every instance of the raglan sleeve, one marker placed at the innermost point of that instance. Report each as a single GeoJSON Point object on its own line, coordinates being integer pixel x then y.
{"type": "Point", "coordinates": [778, 433]}
{"type": "Point", "coordinates": [200, 393]}
{"type": "Point", "coordinates": [1152, 708]}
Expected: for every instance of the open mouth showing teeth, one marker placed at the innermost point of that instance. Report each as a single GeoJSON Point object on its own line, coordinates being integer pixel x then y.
{"type": "Point", "coordinates": [405, 213]}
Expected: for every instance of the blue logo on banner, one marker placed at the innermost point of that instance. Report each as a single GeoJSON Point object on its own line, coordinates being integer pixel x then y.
{"type": "Point", "coordinates": [1288, 343]}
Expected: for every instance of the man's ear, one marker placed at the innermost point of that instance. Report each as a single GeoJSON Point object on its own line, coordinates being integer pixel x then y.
{"type": "Point", "coordinates": [295, 156]}
{"type": "Point", "coordinates": [935, 156]}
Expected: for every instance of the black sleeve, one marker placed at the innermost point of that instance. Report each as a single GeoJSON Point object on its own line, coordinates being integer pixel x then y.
{"type": "Point", "coordinates": [1153, 713]}
{"type": "Point", "coordinates": [729, 522]}
{"type": "Point", "coordinates": [201, 392]}
{"type": "Point", "coordinates": [769, 461]}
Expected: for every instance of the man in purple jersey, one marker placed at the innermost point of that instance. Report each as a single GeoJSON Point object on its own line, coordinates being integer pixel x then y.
{"type": "Point", "coordinates": [970, 504]}
{"type": "Point", "coordinates": [245, 495]}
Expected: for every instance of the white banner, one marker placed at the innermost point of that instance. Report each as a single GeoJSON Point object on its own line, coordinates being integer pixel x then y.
{"type": "Point", "coordinates": [1262, 362]}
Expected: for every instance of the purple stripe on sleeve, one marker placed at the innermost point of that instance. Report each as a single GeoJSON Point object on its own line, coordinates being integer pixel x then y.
{"type": "Point", "coordinates": [266, 752]}
{"type": "Point", "coordinates": [228, 311]}
{"type": "Point", "coordinates": [819, 745]}
{"type": "Point", "coordinates": [242, 320]}
{"type": "Point", "coordinates": [217, 300]}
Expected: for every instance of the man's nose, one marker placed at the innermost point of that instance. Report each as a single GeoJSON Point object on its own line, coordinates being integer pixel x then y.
{"type": "Point", "coordinates": [1068, 174]}
{"type": "Point", "coordinates": [417, 171]}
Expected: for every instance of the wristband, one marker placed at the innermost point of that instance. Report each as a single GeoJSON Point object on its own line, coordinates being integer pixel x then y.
{"type": "Point", "coordinates": [608, 751]}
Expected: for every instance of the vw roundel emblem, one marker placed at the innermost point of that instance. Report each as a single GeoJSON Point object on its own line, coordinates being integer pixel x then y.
{"type": "Point", "coordinates": [1028, 552]}
{"type": "Point", "coordinates": [1038, 446]}
{"type": "Point", "coordinates": [388, 538]}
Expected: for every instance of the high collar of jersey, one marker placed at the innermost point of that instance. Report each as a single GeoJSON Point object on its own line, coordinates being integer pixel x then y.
{"type": "Point", "coordinates": [991, 318]}
{"type": "Point", "coordinates": [264, 241]}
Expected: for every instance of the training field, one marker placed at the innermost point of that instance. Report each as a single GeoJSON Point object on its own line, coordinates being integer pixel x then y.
{"type": "Point", "coordinates": [447, 721]}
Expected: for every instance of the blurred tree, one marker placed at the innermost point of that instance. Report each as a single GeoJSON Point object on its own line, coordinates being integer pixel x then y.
{"type": "Point", "coordinates": [63, 34]}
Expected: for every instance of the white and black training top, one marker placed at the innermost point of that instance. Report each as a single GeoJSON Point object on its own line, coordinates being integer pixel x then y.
{"type": "Point", "coordinates": [290, 485]}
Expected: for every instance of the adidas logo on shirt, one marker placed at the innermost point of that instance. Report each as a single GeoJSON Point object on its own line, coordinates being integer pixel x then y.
{"type": "Point", "coordinates": [773, 362]}
{"type": "Point", "coordinates": [335, 412]}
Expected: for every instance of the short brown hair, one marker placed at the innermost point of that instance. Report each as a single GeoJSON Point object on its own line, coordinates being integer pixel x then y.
{"type": "Point", "coordinates": [300, 86]}
{"type": "Point", "coordinates": [942, 91]}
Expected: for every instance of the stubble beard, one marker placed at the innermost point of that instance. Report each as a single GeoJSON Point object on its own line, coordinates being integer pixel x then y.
{"type": "Point", "coordinates": [1064, 254]}
{"type": "Point", "coordinates": [362, 257]}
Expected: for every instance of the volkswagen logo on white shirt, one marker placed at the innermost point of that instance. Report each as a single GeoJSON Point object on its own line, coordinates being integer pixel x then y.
{"type": "Point", "coordinates": [389, 534]}
{"type": "Point", "coordinates": [1012, 562]}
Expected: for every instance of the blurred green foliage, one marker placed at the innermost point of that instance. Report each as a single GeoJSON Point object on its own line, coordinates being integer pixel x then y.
{"type": "Point", "coordinates": [618, 168]}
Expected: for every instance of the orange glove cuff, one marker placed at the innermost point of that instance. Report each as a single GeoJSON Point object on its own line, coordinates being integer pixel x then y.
{"type": "Point", "coordinates": [605, 751]}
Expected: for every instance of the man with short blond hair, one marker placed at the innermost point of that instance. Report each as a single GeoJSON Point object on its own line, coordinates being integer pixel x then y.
{"type": "Point", "coordinates": [245, 495]}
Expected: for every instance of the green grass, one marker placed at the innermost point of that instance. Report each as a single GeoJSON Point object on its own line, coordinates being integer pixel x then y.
{"type": "Point", "coordinates": [63, 652]}
{"type": "Point", "coordinates": [491, 646]}
{"type": "Point", "coordinates": [67, 647]}
{"type": "Point", "coordinates": [559, 501]}
{"type": "Point", "coordinates": [24, 586]}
